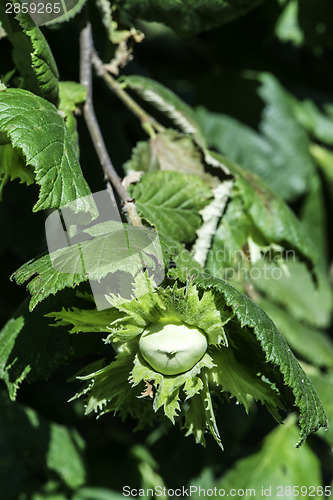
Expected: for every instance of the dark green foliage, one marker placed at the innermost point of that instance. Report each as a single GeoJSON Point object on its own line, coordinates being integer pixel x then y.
{"type": "Point", "coordinates": [231, 163]}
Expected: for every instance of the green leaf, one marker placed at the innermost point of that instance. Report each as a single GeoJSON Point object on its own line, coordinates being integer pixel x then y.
{"type": "Point", "coordinates": [269, 213]}
{"type": "Point", "coordinates": [273, 218]}
{"type": "Point", "coordinates": [167, 102]}
{"type": "Point", "coordinates": [71, 95]}
{"type": "Point", "coordinates": [97, 494]}
{"type": "Point", "coordinates": [324, 158]}
{"type": "Point", "coordinates": [209, 411]}
{"type": "Point", "coordinates": [171, 201]}
{"type": "Point", "coordinates": [32, 56]}
{"type": "Point", "coordinates": [279, 154]}
{"type": "Point", "coordinates": [276, 464]}
{"type": "Point", "coordinates": [289, 141]}
{"type": "Point", "coordinates": [109, 390]}
{"type": "Point", "coordinates": [140, 159]}
{"type": "Point", "coordinates": [235, 379]}
{"type": "Point", "coordinates": [196, 419]}
{"type": "Point", "coordinates": [63, 456]}
{"type": "Point", "coordinates": [34, 126]}
{"type": "Point", "coordinates": [8, 336]}
{"type": "Point", "coordinates": [170, 150]}
{"type": "Point", "coordinates": [230, 246]}
{"type": "Point", "coordinates": [31, 447]}
{"type": "Point", "coordinates": [314, 219]}
{"type": "Point", "coordinates": [189, 16]}
{"type": "Point", "coordinates": [316, 122]}
{"type": "Point", "coordinates": [171, 305]}
{"type": "Point", "coordinates": [119, 250]}
{"type": "Point", "coordinates": [323, 383]}
{"type": "Point", "coordinates": [12, 166]}
{"type": "Point", "coordinates": [168, 387]}
{"type": "Point", "coordinates": [311, 344]}
{"type": "Point", "coordinates": [85, 320]}
{"type": "Point", "coordinates": [275, 348]}
{"type": "Point", "coordinates": [69, 10]}
{"type": "Point", "coordinates": [31, 349]}
{"type": "Point", "coordinates": [148, 468]}
{"type": "Point", "coordinates": [294, 290]}
{"type": "Point", "coordinates": [287, 27]}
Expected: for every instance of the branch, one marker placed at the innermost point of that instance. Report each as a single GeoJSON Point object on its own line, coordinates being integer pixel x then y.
{"type": "Point", "coordinates": [86, 50]}
{"type": "Point", "coordinates": [148, 122]}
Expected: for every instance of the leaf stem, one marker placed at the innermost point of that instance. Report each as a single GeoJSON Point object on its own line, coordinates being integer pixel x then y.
{"type": "Point", "coordinates": [86, 51]}
{"type": "Point", "coordinates": [148, 122]}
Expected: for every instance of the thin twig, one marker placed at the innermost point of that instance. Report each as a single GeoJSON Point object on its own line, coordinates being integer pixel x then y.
{"type": "Point", "coordinates": [148, 122]}
{"type": "Point", "coordinates": [86, 50]}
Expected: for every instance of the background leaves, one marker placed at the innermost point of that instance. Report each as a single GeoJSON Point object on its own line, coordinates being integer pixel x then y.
{"type": "Point", "coordinates": [218, 71]}
{"type": "Point", "coordinates": [189, 17]}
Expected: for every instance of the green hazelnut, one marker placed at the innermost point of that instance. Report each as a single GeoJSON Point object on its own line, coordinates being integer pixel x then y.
{"type": "Point", "coordinates": [172, 349]}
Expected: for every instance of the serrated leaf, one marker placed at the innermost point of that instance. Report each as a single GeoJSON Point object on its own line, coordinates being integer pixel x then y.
{"type": "Point", "coordinates": [174, 305]}
{"type": "Point", "coordinates": [34, 126]}
{"type": "Point", "coordinates": [168, 388]}
{"type": "Point", "coordinates": [276, 465]}
{"type": "Point", "coordinates": [167, 102]}
{"type": "Point", "coordinates": [323, 383]}
{"type": "Point", "coordinates": [277, 351]}
{"type": "Point", "coordinates": [235, 379]}
{"type": "Point", "coordinates": [68, 10]}
{"type": "Point", "coordinates": [171, 202]}
{"type": "Point", "coordinates": [8, 336]}
{"type": "Point", "coordinates": [117, 251]}
{"type": "Point", "coordinates": [195, 419]}
{"type": "Point", "coordinates": [31, 349]}
{"type": "Point", "coordinates": [109, 390]}
{"type": "Point", "coordinates": [190, 16]}
{"type": "Point", "coordinates": [312, 413]}
{"type": "Point", "coordinates": [32, 56]}
{"type": "Point", "coordinates": [209, 411]}
{"type": "Point", "coordinates": [85, 320]}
